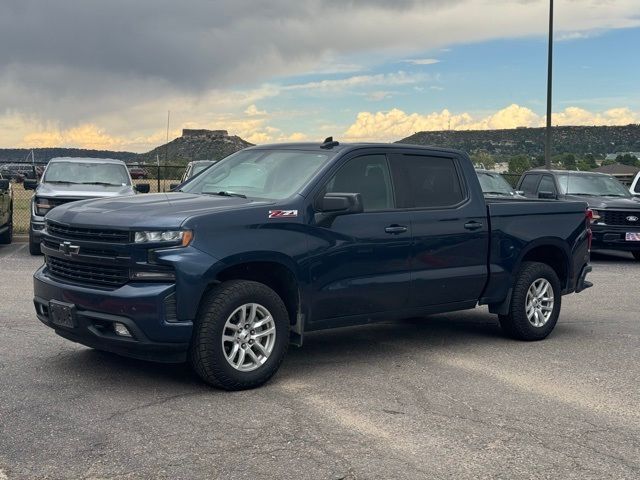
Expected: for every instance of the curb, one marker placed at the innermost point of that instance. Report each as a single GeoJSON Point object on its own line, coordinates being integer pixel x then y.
{"type": "Point", "coordinates": [20, 238]}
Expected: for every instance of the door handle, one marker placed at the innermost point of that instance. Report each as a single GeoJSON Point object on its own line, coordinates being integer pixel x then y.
{"type": "Point", "coordinates": [473, 225]}
{"type": "Point", "coordinates": [395, 229]}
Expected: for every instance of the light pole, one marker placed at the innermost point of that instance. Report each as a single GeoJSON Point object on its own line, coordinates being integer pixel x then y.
{"type": "Point", "coordinates": [547, 143]}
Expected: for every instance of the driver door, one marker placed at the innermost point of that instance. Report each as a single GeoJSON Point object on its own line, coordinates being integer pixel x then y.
{"type": "Point", "coordinates": [363, 262]}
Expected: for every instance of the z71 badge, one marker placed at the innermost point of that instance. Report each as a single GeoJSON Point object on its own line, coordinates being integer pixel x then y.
{"type": "Point", "coordinates": [283, 213]}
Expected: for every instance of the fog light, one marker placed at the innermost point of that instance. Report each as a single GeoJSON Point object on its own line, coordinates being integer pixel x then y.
{"type": "Point", "coordinates": [121, 330]}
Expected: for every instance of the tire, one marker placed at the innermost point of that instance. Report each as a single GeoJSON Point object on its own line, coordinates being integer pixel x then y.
{"type": "Point", "coordinates": [517, 324]}
{"type": "Point", "coordinates": [7, 237]}
{"type": "Point", "coordinates": [34, 246]}
{"type": "Point", "coordinates": [636, 255]}
{"type": "Point", "coordinates": [219, 314]}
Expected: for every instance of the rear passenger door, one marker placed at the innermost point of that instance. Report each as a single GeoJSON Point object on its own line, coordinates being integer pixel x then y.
{"type": "Point", "coordinates": [449, 228]}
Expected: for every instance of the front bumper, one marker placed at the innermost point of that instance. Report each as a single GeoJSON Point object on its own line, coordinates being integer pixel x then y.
{"type": "Point", "coordinates": [141, 307]}
{"type": "Point", "coordinates": [36, 228]}
{"type": "Point", "coordinates": [613, 238]}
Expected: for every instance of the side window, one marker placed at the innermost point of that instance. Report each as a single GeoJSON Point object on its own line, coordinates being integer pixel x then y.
{"type": "Point", "coordinates": [429, 182]}
{"type": "Point", "coordinates": [529, 184]}
{"type": "Point", "coordinates": [547, 185]}
{"type": "Point", "coordinates": [637, 187]}
{"type": "Point", "coordinates": [367, 175]}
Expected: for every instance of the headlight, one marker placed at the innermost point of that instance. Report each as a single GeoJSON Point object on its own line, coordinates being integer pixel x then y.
{"type": "Point", "coordinates": [595, 216]}
{"type": "Point", "coordinates": [179, 237]}
{"type": "Point", "coordinates": [41, 206]}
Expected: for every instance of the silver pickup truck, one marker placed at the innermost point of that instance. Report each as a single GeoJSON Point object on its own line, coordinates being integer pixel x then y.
{"type": "Point", "coordinates": [70, 179]}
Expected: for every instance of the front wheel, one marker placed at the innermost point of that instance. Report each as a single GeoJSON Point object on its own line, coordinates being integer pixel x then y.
{"type": "Point", "coordinates": [241, 335]}
{"type": "Point", "coordinates": [535, 303]}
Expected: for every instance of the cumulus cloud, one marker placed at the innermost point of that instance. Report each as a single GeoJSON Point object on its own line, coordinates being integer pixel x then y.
{"type": "Point", "coordinates": [396, 124]}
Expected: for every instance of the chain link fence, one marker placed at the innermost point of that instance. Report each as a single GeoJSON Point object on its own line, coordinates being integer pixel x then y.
{"type": "Point", "coordinates": [159, 179]}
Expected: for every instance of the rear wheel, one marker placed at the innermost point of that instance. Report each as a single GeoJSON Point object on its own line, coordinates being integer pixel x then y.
{"type": "Point", "coordinates": [535, 303]}
{"type": "Point", "coordinates": [7, 237]}
{"type": "Point", "coordinates": [241, 335]}
{"type": "Point", "coordinates": [636, 255]}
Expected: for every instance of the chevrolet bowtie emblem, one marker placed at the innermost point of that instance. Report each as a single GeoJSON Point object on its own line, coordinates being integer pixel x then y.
{"type": "Point", "coordinates": [68, 249]}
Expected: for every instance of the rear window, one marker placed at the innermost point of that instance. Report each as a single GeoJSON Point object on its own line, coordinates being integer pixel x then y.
{"type": "Point", "coordinates": [432, 181]}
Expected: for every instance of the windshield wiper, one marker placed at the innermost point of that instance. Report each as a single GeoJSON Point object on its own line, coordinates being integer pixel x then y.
{"type": "Point", "coordinates": [106, 184]}
{"type": "Point", "coordinates": [226, 194]}
{"type": "Point", "coordinates": [64, 182]}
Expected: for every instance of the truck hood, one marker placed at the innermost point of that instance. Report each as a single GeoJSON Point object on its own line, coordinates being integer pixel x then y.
{"type": "Point", "coordinates": [60, 190]}
{"type": "Point", "coordinates": [607, 202]}
{"type": "Point", "coordinates": [152, 211]}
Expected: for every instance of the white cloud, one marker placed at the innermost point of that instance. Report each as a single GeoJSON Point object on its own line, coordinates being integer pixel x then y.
{"type": "Point", "coordinates": [357, 81]}
{"type": "Point", "coordinates": [253, 111]}
{"type": "Point", "coordinates": [422, 61]}
{"type": "Point", "coordinates": [396, 124]}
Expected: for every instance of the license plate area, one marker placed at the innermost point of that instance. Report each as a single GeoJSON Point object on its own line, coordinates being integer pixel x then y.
{"type": "Point", "coordinates": [62, 314]}
{"type": "Point", "coordinates": [632, 237]}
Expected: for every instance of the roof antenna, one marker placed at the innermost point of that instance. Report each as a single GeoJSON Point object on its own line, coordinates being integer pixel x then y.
{"type": "Point", "coordinates": [329, 143]}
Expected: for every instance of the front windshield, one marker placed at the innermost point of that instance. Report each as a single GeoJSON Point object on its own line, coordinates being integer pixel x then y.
{"type": "Point", "coordinates": [87, 173]}
{"type": "Point", "coordinates": [494, 184]}
{"type": "Point", "coordinates": [592, 185]}
{"type": "Point", "coordinates": [269, 174]}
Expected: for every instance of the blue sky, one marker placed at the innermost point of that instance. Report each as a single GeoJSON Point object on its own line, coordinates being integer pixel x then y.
{"type": "Point", "coordinates": [279, 70]}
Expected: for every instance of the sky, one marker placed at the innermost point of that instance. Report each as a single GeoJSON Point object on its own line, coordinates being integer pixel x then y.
{"type": "Point", "coordinates": [104, 74]}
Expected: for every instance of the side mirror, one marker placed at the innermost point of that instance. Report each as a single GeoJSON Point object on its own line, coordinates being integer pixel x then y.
{"type": "Point", "coordinates": [4, 184]}
{"type": "Point", "coordinates": [340, 204]}
{"type": "Point", "coordinates": [173, 186]}
{"type": "Point", "coordinates": [142, 188]}
{"type": "Point", "coordinates": [30, 184]}
{"type": "Point", "coordinates": [547, 195]}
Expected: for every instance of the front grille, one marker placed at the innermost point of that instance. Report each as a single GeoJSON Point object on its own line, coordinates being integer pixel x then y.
{"type": "Point", "coordinates": [91, 234]}
{"type": "Point", "coordinates": [89, 251]}
{"type": "Point", "coordinates": [85, 273]}
{"type": "Point", "coordinates": [619, 217]}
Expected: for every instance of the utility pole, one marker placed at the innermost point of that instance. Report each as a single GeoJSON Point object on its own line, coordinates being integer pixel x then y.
{"type": "Point", "coordinates": [547, 143]}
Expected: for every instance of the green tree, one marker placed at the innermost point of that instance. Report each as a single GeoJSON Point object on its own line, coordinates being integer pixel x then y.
{"type": "Point", "coordinates": [484, 158]}
{"type": "Point", "coordinates": [568, 161]}
{"type": "Point", "coordinates": [628, 159]}
{"type": "Point", "coordinates": [519, 164]}
{"type": "Point", "coordinates": [608, 162]}
{"type": "Point", "coordinates": [589, 161]}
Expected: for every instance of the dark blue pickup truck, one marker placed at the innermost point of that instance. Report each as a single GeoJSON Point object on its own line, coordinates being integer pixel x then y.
{"type": "Point", "coordinates": [275, 241]}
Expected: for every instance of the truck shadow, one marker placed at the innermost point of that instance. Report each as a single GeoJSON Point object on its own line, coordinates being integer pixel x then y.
{"type": "Point", "coordinates": [368, 346]}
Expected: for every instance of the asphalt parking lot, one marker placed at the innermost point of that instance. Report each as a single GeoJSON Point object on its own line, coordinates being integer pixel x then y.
{"type": "Point", "coordinates": [443, 397]}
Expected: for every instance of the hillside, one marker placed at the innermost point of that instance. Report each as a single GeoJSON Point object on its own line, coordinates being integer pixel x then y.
{"type": "Point", "coordinates": [196, 145]}
{"type": "Point", "coordinates": [192, 145]}
{"type": "Point", "coordinates": [530, 141]}
{"type": "Point", "coordinates": [45, 154]}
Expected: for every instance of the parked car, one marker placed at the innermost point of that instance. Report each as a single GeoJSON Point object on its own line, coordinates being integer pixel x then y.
{"type": "Point", "coordinates": [138, 173]}
{"type": "Point", "coordinates": [18, 172]}
{"type": "Point", "coordinates": [71, 179]}
{"type": "Point", "coordinates": [635, 186]}
{"type": "Point", "coordinates": [494, 185]}
{"type": "Point", "coordinates": [616, 213]}
{"type": "Point", "coordinates": [6, 211]}
{"type": "Point", "coordinates": [195, 167]}
{"type": "Point", "coordinates": [229, 271]}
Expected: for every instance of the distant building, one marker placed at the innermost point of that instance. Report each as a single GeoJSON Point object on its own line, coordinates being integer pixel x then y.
{"type": "Point", "coordinates": [613, 156]}
{"type": "Point", "coordinates": [624, 173]}
{"type": "Point", "coordinates": [189, 132]}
